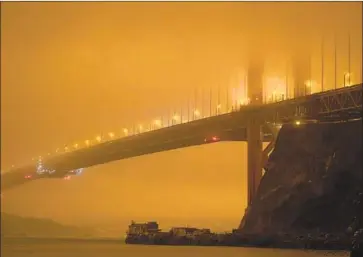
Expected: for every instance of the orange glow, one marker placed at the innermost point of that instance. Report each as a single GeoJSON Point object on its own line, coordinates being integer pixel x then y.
{"type": "Point", "coordinates": [73, 70]}
{"type": "Point", "coordinates": [274, 89]}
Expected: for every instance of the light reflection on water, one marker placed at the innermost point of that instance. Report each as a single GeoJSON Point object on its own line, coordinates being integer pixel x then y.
{"type": "Point", "coordinates": [103, 248]}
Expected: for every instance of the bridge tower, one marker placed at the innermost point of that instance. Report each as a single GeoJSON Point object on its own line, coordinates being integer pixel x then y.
{"type": "Point", "coordinates": [254, 128]}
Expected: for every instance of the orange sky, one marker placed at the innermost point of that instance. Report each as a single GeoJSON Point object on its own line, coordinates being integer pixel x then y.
{"type": "Point", "coordinates": [70, 71]}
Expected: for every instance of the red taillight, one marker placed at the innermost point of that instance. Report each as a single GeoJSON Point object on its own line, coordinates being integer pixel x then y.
{"type": "Point", "coordinates": [67, 177]}
{"type": "Point", "coordinates": [28, 176]}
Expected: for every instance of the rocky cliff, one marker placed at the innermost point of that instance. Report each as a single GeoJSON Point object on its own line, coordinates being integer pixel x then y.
{"type": "Point", "coordinates": [312, 180]}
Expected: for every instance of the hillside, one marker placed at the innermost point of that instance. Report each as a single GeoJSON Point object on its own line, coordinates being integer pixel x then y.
{"type": "Point", "coordinates": [16, 226]}
{"type": "Point", "coordinates": [313, 179]}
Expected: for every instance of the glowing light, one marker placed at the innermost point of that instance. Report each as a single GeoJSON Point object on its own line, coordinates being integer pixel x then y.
{"type": "Point", "coordinates": [87, 142]}
{"type": "Point", "coordinates": [157, 123]}
{"type": "Point", "coordinates": [140, 128]}
{"type": "Point", "coordinates": [77, 171]}
{"type": "Point", "coordinates": [308, 83]}
{"type": "Point", "coordinates": [196, 113]}
{"type": "Point", "coordinates": [48, 154]}
{"type": "Point", "coordinates": [66, 148]}
{"type": "Point", "coordinates": [111, 135]}
{"type": "Point", "coordinates": [126, 131]}
{"type": "Point", "coordinates": [244, 101]}
{"type": "Point", "coordinates": [75, 146]}
{"type": "Point", "coordinates": [347, 77]}
{"type": "Point", "coordinates": [176, 117]}
{"type": "Point", "coordinates": [67, 177]}
{"type": "Point", "coordinates": [219, 106]}
{"type": "Point", "coordinates": [98, 138]}
{"type": "Point", "coordinates": [57, 150]}
{"type": "Point", "coordinates": [214, 138]}
{"type": "Point", "coordinates": [274, 89]}
{"type": "Point", "coordinates": [297, 122]}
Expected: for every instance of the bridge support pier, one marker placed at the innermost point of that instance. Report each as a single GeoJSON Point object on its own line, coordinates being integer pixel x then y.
{"type": "Point", "coordinates": [254, 157]}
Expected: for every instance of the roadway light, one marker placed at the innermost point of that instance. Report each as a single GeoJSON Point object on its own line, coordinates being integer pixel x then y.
{"type": "Point", "coordinates": [140, 128]}
{"type": "Point", "coordinates": [157, 123]}
{"type": "Point", "coordinates": [98, 138]}
{"type": "Point", "coordinates": [126, 131]}
{"type": "Point", "coordinates": [176, 117]}
{"type": "Point", "coordinates": [86, 142]}
{"type": "Point", "coordinates": [308, 83]}
{"type": "Point", "coordinates": [111, 135]}
{"type": "Point", "coordinates": [347, 77]}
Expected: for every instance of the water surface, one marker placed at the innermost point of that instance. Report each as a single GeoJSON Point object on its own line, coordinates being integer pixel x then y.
{"type": "Point", "coordinates": [114, 248]}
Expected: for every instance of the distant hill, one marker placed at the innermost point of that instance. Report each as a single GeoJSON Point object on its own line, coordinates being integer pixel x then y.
{"type": "Point", "coordinates": [16, 226]}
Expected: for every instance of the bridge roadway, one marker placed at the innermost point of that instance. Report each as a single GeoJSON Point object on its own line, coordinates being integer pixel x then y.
{"type": "Point", "coordinates": [336, 104]}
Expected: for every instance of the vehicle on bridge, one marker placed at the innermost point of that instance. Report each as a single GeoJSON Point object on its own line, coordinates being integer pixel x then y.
{"type": "Point", "coordinates": [212, 139]}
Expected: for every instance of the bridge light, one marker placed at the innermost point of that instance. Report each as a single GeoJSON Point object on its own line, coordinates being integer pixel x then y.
{"type": "Point", "coordinates": [308, 83]}
{"type": "Point", "coordinates": [111, 135]}
{"type": "Point", "coordinates": [126, 131]}
{"type": "Point", "coordinates": [86, 142]}
{"type": "Point", "coordinates": [176, 117]}
{"type": "Point", "coordinates": [99, 139]}
{"type": "Point", "coordinates": [347, 79]}
{"type": "Point", "coordinates": [157, 123]}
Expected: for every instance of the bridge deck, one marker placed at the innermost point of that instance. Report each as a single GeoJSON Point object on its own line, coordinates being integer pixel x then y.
{"type": "Point", "coordinates": [342, 103]}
